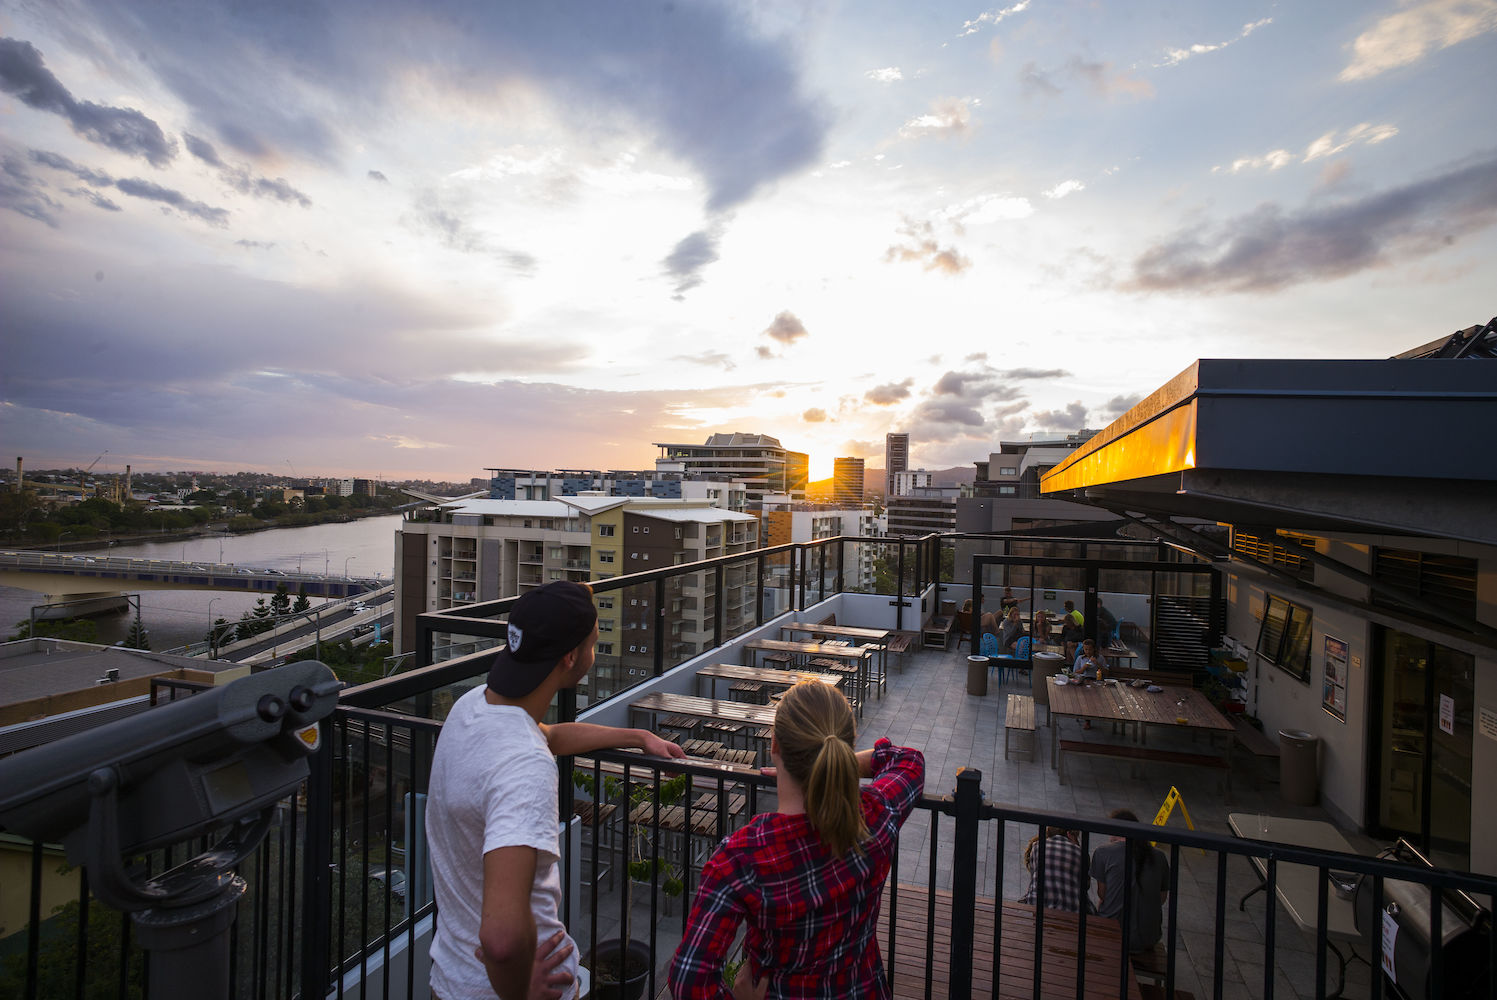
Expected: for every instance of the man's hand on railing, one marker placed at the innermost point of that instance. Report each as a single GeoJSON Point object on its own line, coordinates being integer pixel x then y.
{"type": "Point", "coordinates": [658, 747]}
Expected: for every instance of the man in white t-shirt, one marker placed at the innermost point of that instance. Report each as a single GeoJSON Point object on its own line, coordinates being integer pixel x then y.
{"type": "Point", "coordinates": [491, 818]}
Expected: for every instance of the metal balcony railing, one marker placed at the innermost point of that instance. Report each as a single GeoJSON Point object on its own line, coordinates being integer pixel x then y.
{"type": "Point", "coordinates": [340, 901]}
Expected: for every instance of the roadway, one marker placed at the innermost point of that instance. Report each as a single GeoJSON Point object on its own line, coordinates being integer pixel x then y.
{"type": "Point", "coordinates": [332, 621]}
{"type": "Point", "coordinates": [60, 574]}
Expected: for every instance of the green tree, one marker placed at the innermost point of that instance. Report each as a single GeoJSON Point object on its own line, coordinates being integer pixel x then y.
{"type": "Point", "coordinates": [221, 632]}
{"type": "Point", "coordinates": [71, 629]}
{"type": "Point", "coordinates": [280, 601]}
{"type": "Point", "coordinates": [137, 638]}
{"type": "Point", "coordinates": [58, 960]}
{"type": "Point", "coordinates": [303, 604]}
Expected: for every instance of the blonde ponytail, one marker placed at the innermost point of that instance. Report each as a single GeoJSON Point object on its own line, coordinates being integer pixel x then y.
{"type": "Point", "coordinates": [815, 731]}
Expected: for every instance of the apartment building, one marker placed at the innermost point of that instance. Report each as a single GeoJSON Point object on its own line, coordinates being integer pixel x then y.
{"type": "Point", "coordinates": [847, 480]}
{"type": "Point", "coordinates": [474, 550]}
{"type": "Point", "coordinates": [896, 459]}
{"type": "Point", "coordinates": [531, 484]}
{"type": "Point", "coordinates": [923, 510]}
{"type": "Point", "coordinates": [758, 460]}
{"type": "Point", "coordinates": [785, 522]}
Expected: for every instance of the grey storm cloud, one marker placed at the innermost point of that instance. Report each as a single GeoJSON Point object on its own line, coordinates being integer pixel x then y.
{"type": "Point", "coordinates": [1268, 249]}
{"type": "Point", "coordinates": [87, 175]}
{"type": "Point", "coordinates": [921, 245]}
{"type": "Point", "coordinates": [202, 149]}
{"type": "Point", "coordinates": [263, 187]}
{"type": "Point", "coordinates": [948, 412]}
{"type": "Point", "coordinates": [93, 198]}
{"type": "Point", "coordinates": [1072, 417]}
{"type": "Point", "coordinates": [786, 328]}
{"type": "Point", "coordinates": [452, 230]}
{"type": "Point", "coordinates": [1037, 373]}
{"type": "Point", "coordinates": [137, 188]}
{"type": "Point", "coordinates": [24, 74]}
{"type": "Point", "coordinates": [711, 88]}
{"type": "Point", "coordinates": [240, 178]}
{"type": "Point", "coordinates": [1119, 405]}
{"type": "Point", "coordinates": [889, 393]}
{"type": "Point", "coordinates": [376, 175]}
{"type": "Point", "coordinates": [24, 194]}
{"type": "Point", "coordinates": [688, 257]}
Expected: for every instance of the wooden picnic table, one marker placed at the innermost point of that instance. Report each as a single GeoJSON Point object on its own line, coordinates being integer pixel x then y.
{"type": "Point", "coordinates": [1134, 706]}
{"type": "Point", "coordinates": [875, 637]}
{"type": "Point", "coordinates": [1106, 968]}
{"type": "Point", "coordinates": [761, 675]}
{"type": "Point", "coordinates": [657, 702]}
{"type": "Point", "coordinates": [855, 655]}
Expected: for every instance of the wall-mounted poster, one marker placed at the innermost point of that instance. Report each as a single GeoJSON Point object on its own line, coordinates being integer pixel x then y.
{"type": "Point", "coordinates": [1333, 694]}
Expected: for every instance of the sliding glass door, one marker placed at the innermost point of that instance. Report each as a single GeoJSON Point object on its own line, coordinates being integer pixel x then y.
{"type": "Point", "coordinates": [1421, 738]}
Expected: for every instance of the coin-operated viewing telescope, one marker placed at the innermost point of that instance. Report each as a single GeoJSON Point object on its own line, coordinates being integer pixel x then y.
{"type": "Point", "coordinates": [218, 761]}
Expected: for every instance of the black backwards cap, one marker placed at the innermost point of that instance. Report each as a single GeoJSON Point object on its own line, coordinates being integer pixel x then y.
{"type": "Point", "coordinates": [545, 624]}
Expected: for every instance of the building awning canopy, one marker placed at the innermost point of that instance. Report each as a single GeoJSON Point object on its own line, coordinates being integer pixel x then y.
{"type": "Point", "coordinates": [1400, 446]}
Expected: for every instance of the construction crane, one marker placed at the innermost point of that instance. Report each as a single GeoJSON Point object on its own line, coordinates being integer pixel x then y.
{"type": "Point", "coordinates": [294, 476]}
{"type": "Point", "coordinates": [82, 489]}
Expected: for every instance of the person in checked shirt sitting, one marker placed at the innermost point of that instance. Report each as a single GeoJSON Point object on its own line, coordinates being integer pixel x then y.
{"type": "Point", "coordinates": [808, 878]}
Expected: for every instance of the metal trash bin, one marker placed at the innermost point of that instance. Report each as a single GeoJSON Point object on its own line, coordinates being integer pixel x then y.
{"type": "Point", "coordinates": [977, 675]}
{"type": "Point", "coordinates": [1299, 767]}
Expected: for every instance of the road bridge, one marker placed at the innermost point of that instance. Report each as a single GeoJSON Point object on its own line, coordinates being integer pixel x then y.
{"type": "Point", "coordinates": [64, 576]}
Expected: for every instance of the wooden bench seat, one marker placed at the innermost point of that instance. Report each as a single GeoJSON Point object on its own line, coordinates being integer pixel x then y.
{"type": "Point", "coordinates": [1130, 752]}
{"type": "Point", "coordinates": [899, 645]}
{"type": "Point", "coordinates": [1019, 718]}
{"type": "Point", "coordinates": [1254, 741]}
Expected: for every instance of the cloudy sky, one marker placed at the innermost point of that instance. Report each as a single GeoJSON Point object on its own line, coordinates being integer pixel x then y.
{"type": "Point", "coordinates": [403, 239]}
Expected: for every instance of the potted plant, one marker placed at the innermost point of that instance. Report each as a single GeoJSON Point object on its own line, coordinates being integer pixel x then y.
{"type": "Point", "coordinates": [621, 966]}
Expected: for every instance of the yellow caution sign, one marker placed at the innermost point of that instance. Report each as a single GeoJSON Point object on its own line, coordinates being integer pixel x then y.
{"type": "Point", "coordinates": [1174, 798]}
{"type": "Point", "coordinates": [311, 738]}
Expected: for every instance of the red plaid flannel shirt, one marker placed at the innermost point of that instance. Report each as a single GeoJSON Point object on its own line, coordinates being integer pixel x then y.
{"type": "Point", "coordinates": [811, 916]}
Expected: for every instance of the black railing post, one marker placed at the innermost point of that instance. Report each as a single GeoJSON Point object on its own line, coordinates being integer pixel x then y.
{"type": "Point", "coordinates": [841, 565]}
{"type": "Point", "coordinates": [799, 562]}
{"type": "Point", "coordinates": [968, 803]}
{"type": "Point", "coordinates": [759, 604]}
{"type": "Point", "coordinates": [899, 588]}
{"type": "Point", "coordinates": [660, 627]}
{"type": "Point", "coordinates": [719, 613]}
{"type": "Point", "coordinates": [317, 862]}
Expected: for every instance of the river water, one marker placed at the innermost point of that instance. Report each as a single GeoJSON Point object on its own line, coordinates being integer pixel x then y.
{"type": "Point", "coordinates": [177, 617]}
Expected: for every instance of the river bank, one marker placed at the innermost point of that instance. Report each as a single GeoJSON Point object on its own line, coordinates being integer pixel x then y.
{"type": "Point", "coordinates": [184, 534]}
{"type": "Point", "coordinates": [364, 548]}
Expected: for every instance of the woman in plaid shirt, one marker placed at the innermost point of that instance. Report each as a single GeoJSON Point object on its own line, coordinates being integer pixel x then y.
{"type": "Point", "coordinates": [808, 878]}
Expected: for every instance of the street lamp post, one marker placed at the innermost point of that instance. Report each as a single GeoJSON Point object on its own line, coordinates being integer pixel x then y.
{"type": "Point", "coordinates": [325, 561]}
{"type": "Point", "coordinates": [212, 630]}
{"type": "Point", "coordinates": [345, 565]}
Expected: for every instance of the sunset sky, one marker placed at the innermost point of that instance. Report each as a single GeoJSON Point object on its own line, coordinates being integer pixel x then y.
{"type": "Point", "coordinates": [416, 239]}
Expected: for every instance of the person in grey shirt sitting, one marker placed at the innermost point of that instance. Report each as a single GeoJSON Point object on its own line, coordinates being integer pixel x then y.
{"type": "Point", "coordinates": [1150, 875]}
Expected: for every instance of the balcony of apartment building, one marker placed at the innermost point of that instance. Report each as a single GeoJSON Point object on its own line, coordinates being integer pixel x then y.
{"type": "Point", "coordinates": [531, 555]}
{"type": "Point", "coordinates": [340, 900]}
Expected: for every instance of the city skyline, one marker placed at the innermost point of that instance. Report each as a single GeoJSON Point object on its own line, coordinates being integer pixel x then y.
{"type": "Point", "coordinates": [428, 239]}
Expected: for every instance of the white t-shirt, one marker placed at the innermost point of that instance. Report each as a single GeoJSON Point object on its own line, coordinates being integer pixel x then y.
{"type": "Point", "coordinates": [493, 785]}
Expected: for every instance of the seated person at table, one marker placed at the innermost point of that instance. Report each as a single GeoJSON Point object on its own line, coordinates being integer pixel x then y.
{"type": "Point", "coordinates": [806, 879]}
{"type": "Point", "coordinates": [1089, 663]}
{"type": "Point", "coordinates": [1107, 625]}
{"type": "Point", "coordinates": [1150, 878]}
{"type": "Point", "coordinates": [1040, 629]}
{"type": "Point", "coordinates": [1013, 629]}
{"type": "Point", "coordinates": [1070, 628]}
{"type": "Point", "coordinates": [1062, 882]}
